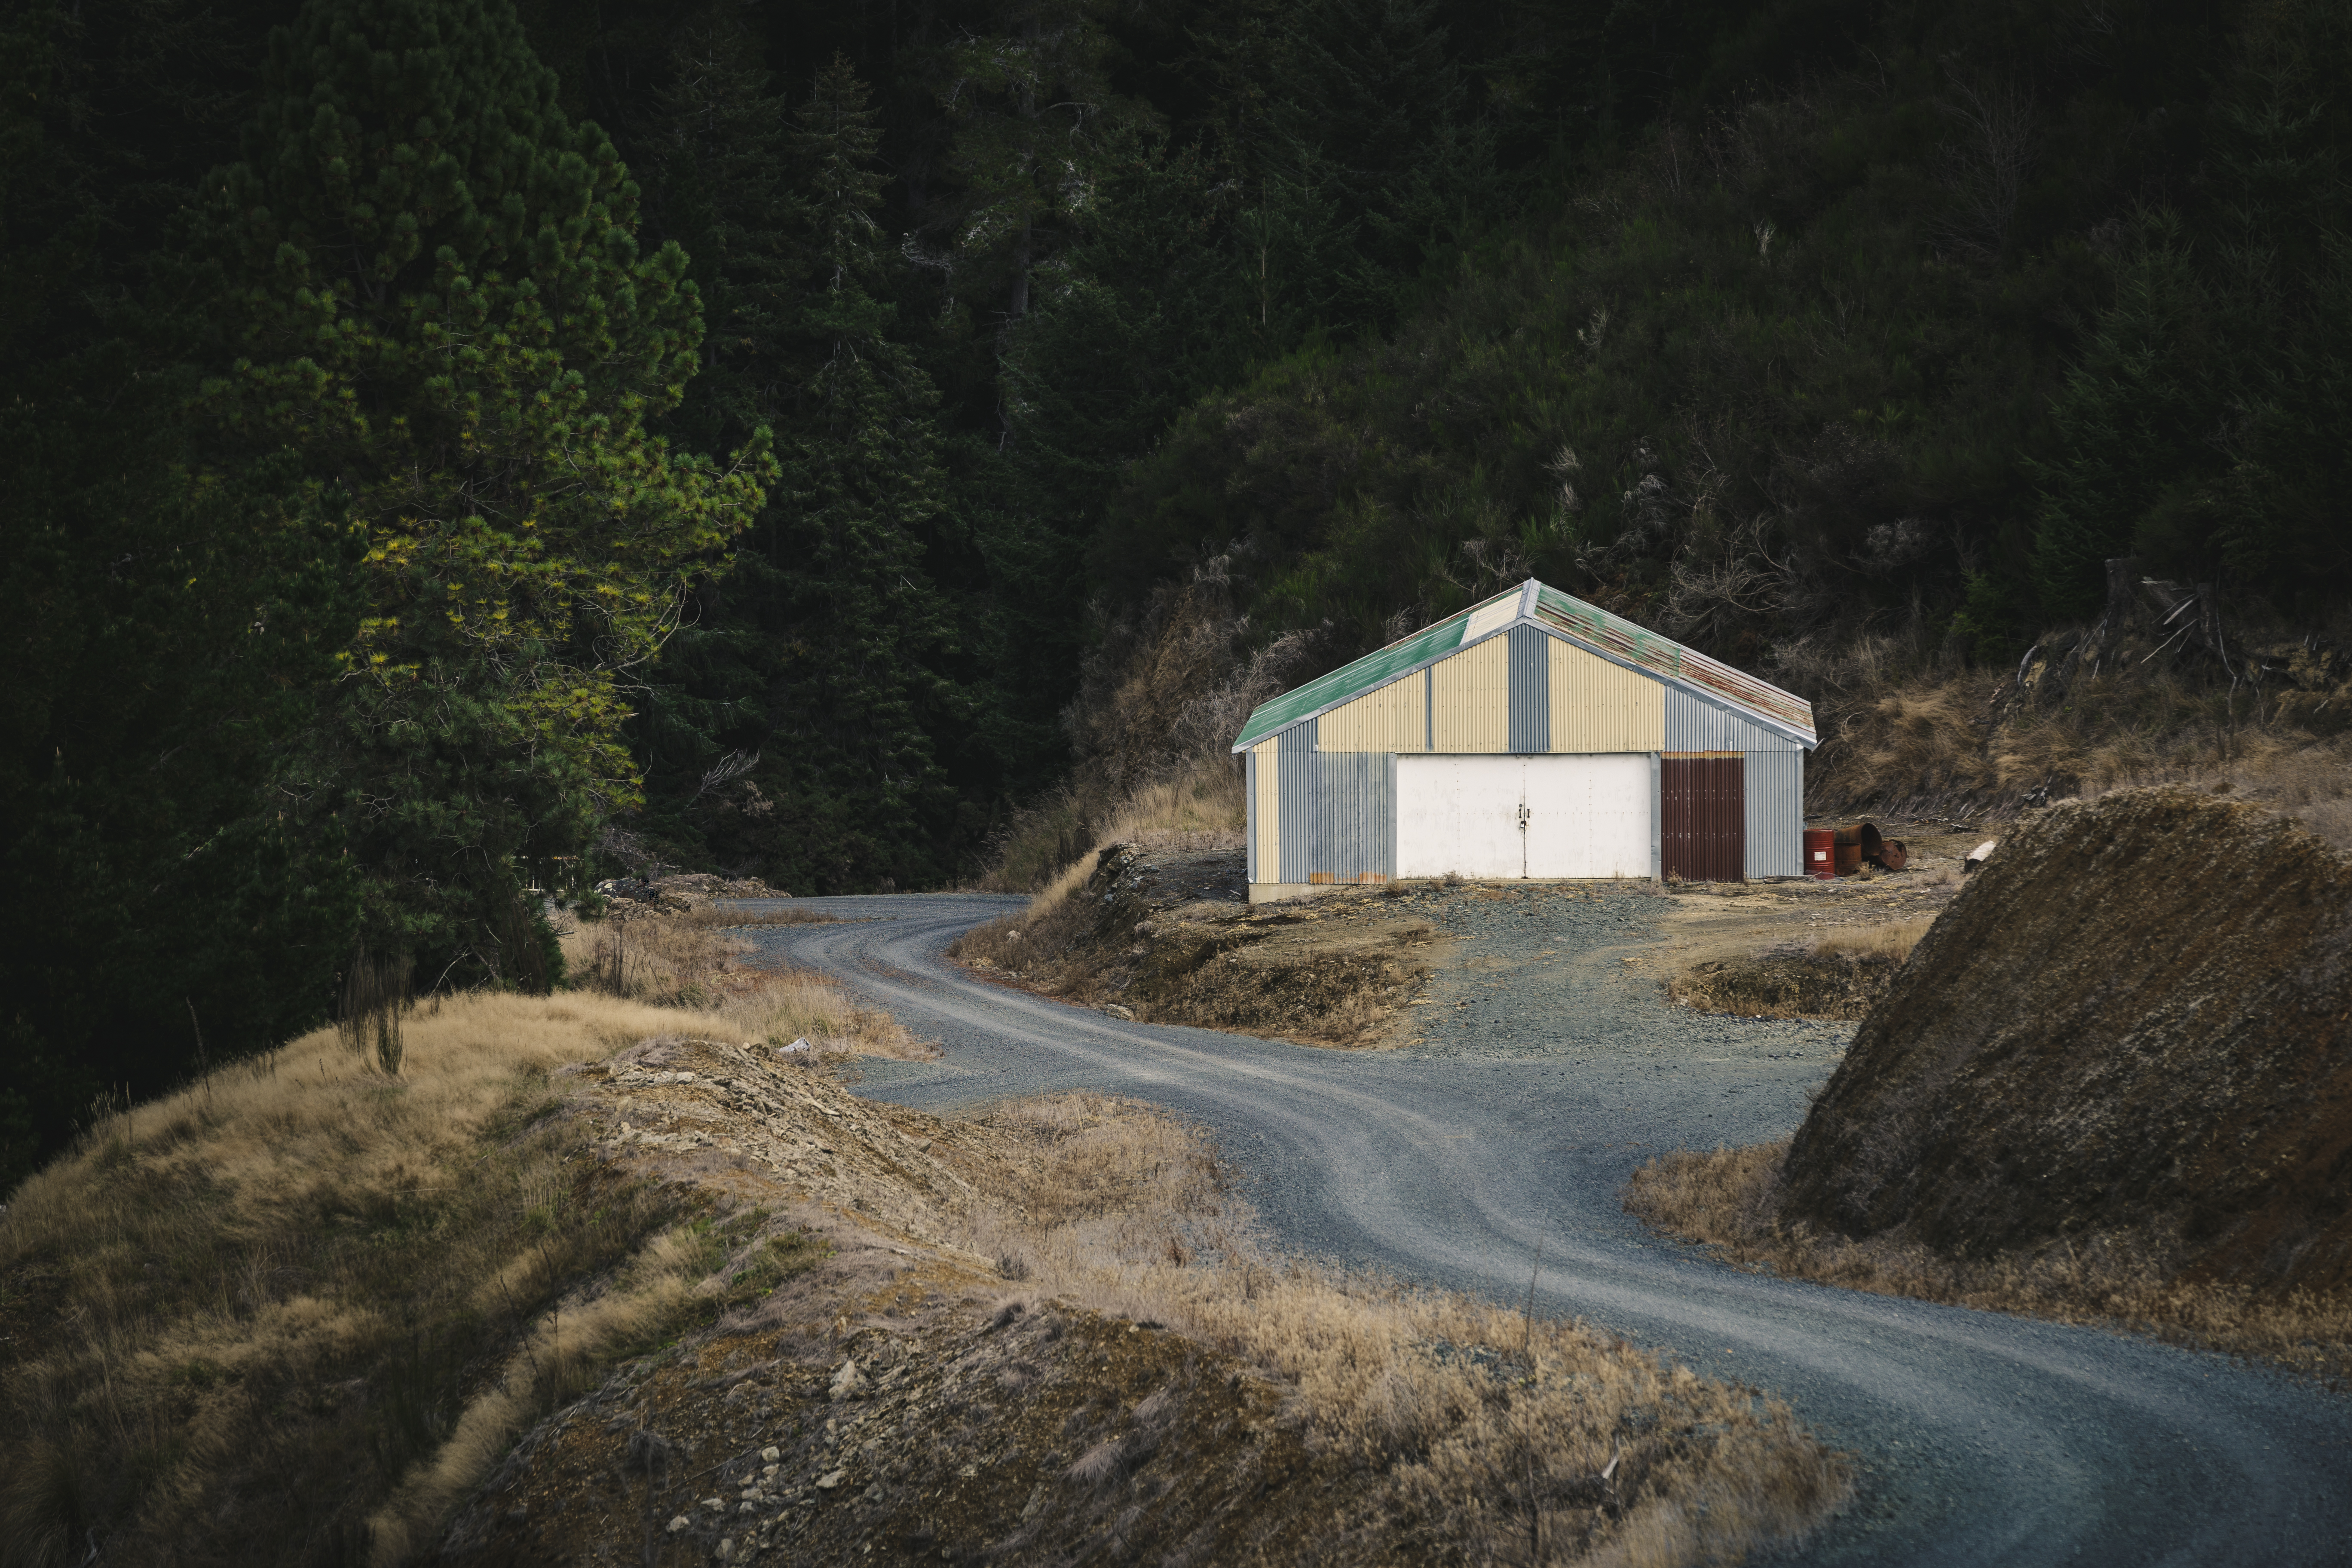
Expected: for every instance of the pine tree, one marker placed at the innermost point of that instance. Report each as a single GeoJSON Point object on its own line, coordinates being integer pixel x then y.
{"type": "Point", "coordinates": [178, 908]}
{"type": "Point", "coordinates": [1029, 103]}
{"type": "Point", "coordinates": [435, 299]}
{"type": "Point", "coordinates": [862, 488]}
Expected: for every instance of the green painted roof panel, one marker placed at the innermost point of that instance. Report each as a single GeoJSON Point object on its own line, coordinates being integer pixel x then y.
{"type": "Point", "coordinates": [1375, 669]}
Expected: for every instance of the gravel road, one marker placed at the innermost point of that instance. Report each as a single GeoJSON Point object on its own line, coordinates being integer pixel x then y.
{"type": "Point", "coordinates": [1549, 1069]}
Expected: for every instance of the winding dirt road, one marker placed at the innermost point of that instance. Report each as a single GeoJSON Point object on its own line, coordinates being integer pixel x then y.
{"type": "Point", "coordinates": [1980, 1439]}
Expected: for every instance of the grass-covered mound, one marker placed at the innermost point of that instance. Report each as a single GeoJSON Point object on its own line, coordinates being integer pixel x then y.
{"type": "Point", "coordinates": [2132, 1019]}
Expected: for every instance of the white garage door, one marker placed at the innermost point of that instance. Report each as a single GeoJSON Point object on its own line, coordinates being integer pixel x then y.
{"type": "Point", "coordinates": [1588, 816]}
{"type": "Point", "coordinates": [1494, 817]}
{"type": "Point", "coordinates": [1460, 814]}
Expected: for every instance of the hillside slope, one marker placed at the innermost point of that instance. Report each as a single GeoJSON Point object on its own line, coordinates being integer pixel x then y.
{"type": "Point", "coordinates": [2133, 1019]}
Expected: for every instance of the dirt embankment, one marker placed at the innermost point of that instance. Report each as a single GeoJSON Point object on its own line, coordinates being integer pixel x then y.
{"type": "Point", "coordinates": [2132, 1019]}
{"type": "Point", "coordinates": [1168, 937]}
{"type": "Point", "coordinates": [2113, 1083]}
{"type": "Point", "coordinates": [1047, 1335]}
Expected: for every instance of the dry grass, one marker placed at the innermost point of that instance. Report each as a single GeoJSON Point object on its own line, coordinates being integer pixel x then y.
{"type": "Point", "coordinates": [1335, 978]}
{"type": "Point", "coordinates": [1047, 849]}
{"type": "Point", "coordinates": [297, 1313]}
{"type": "Point", "coordinates": [1891, 943]}
{"type": "Point", "coordinates": [721, 917]}
{"type": "Point", "coordinates": [1467, 1431]}
{"type": "Point", "coordinates": [694, 964]}
{"type": "Point", "coordinates": [1840, 975]}
{"type": "Point", "coordinates": [1907, 738]}
{"type": "Point", "coordinates": [1727, 1199]}
{"type": "Point", "coordinates": [290, 1314]}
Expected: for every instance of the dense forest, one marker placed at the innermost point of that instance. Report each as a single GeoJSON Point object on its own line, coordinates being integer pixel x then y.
{"type": "Point", "coordinates": [455, 451]}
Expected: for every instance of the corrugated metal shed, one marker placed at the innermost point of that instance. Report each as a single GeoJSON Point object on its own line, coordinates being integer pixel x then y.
{"type": "Point", "coordinates": [1541, 610]}
{"type": "Point", "coordinates": [1622, 640]}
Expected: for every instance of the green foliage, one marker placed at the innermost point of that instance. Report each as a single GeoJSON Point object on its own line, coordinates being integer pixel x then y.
{"type": "Point", "coordinates": [174, 633]}
{"type": "Point", "coordinates": [817, 664]}
{"type": "Point", "coordinates": [2200, 428]}
{"type": "Point", "coordinates": [435, 296]}
{"type": "Point", "coordinates": [1816, 360]}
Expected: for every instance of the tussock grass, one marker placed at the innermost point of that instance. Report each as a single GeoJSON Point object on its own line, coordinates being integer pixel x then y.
{"type": "Point", "coordinates": [1047, 849]}
{"type": "Point", "coordinates": [1202, 810]}
{"type": "Point", "coordinates": [289, 1315]}
{"type": "Point", "coordinates": [293, 1313]}
{"type": "Point", "coordinates": [696, 965]}
{"type": "Point", "coordinates": [1908, 736]}
{"type": "Point", "coordinates": [1891, 943]}
{"type": "Point", "coordinates": [1840, 975]}
{"type": "Point", "coordinates": [1727, 1199]}
{"type": "Point", "coordinates": [1469, 1431]}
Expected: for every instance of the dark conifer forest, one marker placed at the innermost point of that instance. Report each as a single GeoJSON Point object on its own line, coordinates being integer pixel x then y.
{"type": "Point", "coordinates": [453, 450]}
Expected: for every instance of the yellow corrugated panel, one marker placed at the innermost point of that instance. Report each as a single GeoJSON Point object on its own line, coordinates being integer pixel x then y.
{"type": "Point", "coordinates": [1471, 699]}
{"type": "Point", "coordinates": [1265, 813]}
{"type": "Point", "coordinates": [1596, 706]}
{"type": "Point", "coordinates": [1391, 718]}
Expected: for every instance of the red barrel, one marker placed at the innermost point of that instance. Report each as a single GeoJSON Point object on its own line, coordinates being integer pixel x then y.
{"type": "Point", "coordinates": [1821, 850]}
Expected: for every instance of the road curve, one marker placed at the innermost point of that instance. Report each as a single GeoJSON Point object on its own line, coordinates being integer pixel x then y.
{"type": "Point", "coordinates": [1981, 1439]}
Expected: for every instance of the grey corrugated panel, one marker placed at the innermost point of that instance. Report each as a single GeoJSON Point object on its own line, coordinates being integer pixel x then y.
{"type": "Point", "coordinates": [1695, 724]}
{"type": "Point", "coordinates": [1775, 784]}
{"type": "Point", "coordinates": [1530, 689]}
{"type": "Point", "coordinates": [1366, 823]}
{"type": "Point", "coordinates": [1389, 819]}
{"type": "Point", "coordinates": [1295, 783]}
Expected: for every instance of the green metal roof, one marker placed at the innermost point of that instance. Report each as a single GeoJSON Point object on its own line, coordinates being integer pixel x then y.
{"type": "Point", "coordinates": [1588, 626]}
{"type": "Point", "coordinates": [1379, 668]}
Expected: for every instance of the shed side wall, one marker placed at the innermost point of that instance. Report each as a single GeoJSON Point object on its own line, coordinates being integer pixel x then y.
{"type": "Point", "coordinates": [1596, 706]}
{"type": "Point", "coordinates": [1775, 788]}
{"type": "Point", "coordinates": [1470, 694]}
{"type": "Point", "coordinates": [1694, 724]}
{"type": "Point", "coordinates": [1295, 856]}
{"type": "Point", "coordinates": [1355, 817]}
{"type": "Point", "coordinates": [1393, 718]}
{"type": "Point", "coordinates": [1265, 811]}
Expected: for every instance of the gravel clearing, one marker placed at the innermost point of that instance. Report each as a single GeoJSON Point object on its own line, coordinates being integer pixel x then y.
{"type": "Point", "coordinates": [1550, 1066]}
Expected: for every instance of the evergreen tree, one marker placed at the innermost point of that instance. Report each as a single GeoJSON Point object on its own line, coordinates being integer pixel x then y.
{"type": "Point", "coordinates": [1028, 103]}
{"type": "Point", "coordinates": [2141, 412]}
{"type": "Point", "coordinates": [717, 138]}
{"type": "Point", "coordinates": [798, 727]}
{"type": "Point", "coordinates": [437, 300]}
{"type": "Point", "coordinates": [175, 906]}
{"type": "Point", "coordinates": [860, 696]}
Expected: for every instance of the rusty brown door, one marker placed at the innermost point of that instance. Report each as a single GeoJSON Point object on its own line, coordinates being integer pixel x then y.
{"type": "Point", "coordinates": [1703, 804]}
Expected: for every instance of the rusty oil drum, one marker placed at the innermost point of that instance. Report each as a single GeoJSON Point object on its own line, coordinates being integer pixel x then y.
{"type": "Point", "coordinates": [1862, 842]}
{"type": "Point", "coordinates": [1821, 848]}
